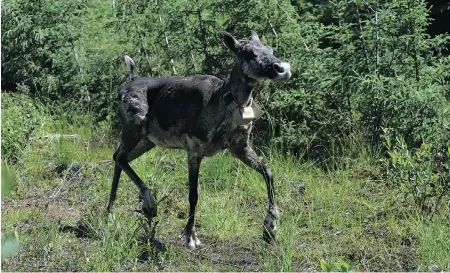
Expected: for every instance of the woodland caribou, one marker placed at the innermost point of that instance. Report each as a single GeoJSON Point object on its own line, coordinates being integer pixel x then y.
{"type": "Point", "coordinates": [200, 114]}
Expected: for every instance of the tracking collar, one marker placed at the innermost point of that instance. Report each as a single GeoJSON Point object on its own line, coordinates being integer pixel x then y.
{"type": "Point", "coordinates": [242, 115]}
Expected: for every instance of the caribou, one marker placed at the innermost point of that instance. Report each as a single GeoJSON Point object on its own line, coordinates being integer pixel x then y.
{"type": "Point", "coordinates": [201, 114]}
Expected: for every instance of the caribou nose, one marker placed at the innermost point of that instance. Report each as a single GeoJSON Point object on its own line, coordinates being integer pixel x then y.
{"type": "Point", "coordinates": [283, 70]}
{"type": "Point", "coordinates": [278, 68]}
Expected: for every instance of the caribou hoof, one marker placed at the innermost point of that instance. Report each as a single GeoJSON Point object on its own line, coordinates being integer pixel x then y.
{"type": "Point", "coordinates": [270, 225]}
{"type": "Point", "coordinates": [149, 207]}
{"type": "Point", "coordinates": [191, 240]}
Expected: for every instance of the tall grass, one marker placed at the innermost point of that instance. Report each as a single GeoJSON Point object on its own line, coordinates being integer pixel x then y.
{"type": "Point", "coordinates": [343, 214]}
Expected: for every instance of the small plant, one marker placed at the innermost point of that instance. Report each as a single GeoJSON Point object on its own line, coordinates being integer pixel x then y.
{"type": "Point", "coordinates": [421, 173]}
{"type": "Point", "coordinates": [339, 266]}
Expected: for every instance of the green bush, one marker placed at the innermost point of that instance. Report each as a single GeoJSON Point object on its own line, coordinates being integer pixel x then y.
{"type": "Point", "coordinates": [20, 117]}
{"type": "Point", "coordinates": [422, 174]}
{"type": "Point", "coordinates": [38, 48]}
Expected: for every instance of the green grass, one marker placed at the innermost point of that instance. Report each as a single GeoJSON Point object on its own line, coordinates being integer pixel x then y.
{"type": "Point", "coordinates": [344, 216]}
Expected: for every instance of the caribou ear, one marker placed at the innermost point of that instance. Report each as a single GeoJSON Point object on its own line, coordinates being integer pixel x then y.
{"type": "Point", "coordinates": [230, 42]}
{"type": "Point", "coordinates": [254, 35]}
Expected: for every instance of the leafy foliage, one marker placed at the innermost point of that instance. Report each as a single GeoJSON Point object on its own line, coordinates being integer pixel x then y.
{"type": "Point", "coordinates": [18, 123]}
{"type": "Point", "coordinates": [339, 266]}
{"type": "Point", "coordinates": [423, 174]}
{"type": "Point", "coordinates": [358, 65]}
{"type": "Point", "coordinates": [38, 46]}
{"type": "Point", "coordinates": [46, 55]}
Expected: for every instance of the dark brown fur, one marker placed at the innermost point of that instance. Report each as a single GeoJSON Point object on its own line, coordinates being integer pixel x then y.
{"type": "Point", "coordinates": [190, 113]}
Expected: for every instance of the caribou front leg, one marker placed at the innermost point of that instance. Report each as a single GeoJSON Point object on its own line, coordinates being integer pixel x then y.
{"type": "Point", "coordinates": [194, 161]}
{"type": "Point", "coordinates": [247, 155]}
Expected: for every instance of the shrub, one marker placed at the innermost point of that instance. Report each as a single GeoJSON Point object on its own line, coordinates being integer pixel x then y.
{"type": "Point", "coordinates": [38, 46]}
{"type": "Point", "coordinates": [422, 174]}
{"type": "Point", "coordinates": [20, 117]}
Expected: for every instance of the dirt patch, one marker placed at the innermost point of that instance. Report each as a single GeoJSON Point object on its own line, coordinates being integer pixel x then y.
{"type": "Point", "coordinates": [240, 257]}
{"type": "Point", "coordinates": [227, 255]}
{"type": "Point", "coordinates": [61, 210]}
{"type": "Point", "coordinates": [222, 255]}
{"type": "Point", "coordinates": [56, 210]}
{"type": "Point", "coordinates": [10, 205]}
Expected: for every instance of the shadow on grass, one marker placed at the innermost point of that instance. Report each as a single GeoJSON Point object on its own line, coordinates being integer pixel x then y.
{"type": "Point", "coordinates": [153, 248]}
{"type": "Point", "coordinates": [81, 230]}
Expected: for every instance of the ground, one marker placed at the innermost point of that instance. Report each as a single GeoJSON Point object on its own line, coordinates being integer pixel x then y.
{"type": "Point", "coordinates": [346, 214]}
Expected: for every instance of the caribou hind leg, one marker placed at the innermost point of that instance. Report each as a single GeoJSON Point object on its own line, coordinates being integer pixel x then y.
{"type": "Point", "coordinates": [122, 159]}
{"type": "Point", "coordinates": [247, 155]}
{"type": "Point", "coordinates": [114, 185]}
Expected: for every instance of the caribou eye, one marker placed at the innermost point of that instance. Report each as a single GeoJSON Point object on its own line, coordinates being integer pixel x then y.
{"type": "Point", "coordinates": [249, 54]}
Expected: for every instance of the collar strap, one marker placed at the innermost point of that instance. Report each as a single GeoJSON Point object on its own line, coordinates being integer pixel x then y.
{"type": "Point", "coordinates": [231, 104]}
{"type": "Point", "coordinates": [228, 98]}
{"type": "Point", "coordinates": [248, 80]}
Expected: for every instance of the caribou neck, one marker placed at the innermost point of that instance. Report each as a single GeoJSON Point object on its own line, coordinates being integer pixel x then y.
{"type": "Point", "coordinates": [240, 87]}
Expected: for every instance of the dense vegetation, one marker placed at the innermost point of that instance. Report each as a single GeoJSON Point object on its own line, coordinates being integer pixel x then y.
{"type": "Point", "coordinates": [367, 111]}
